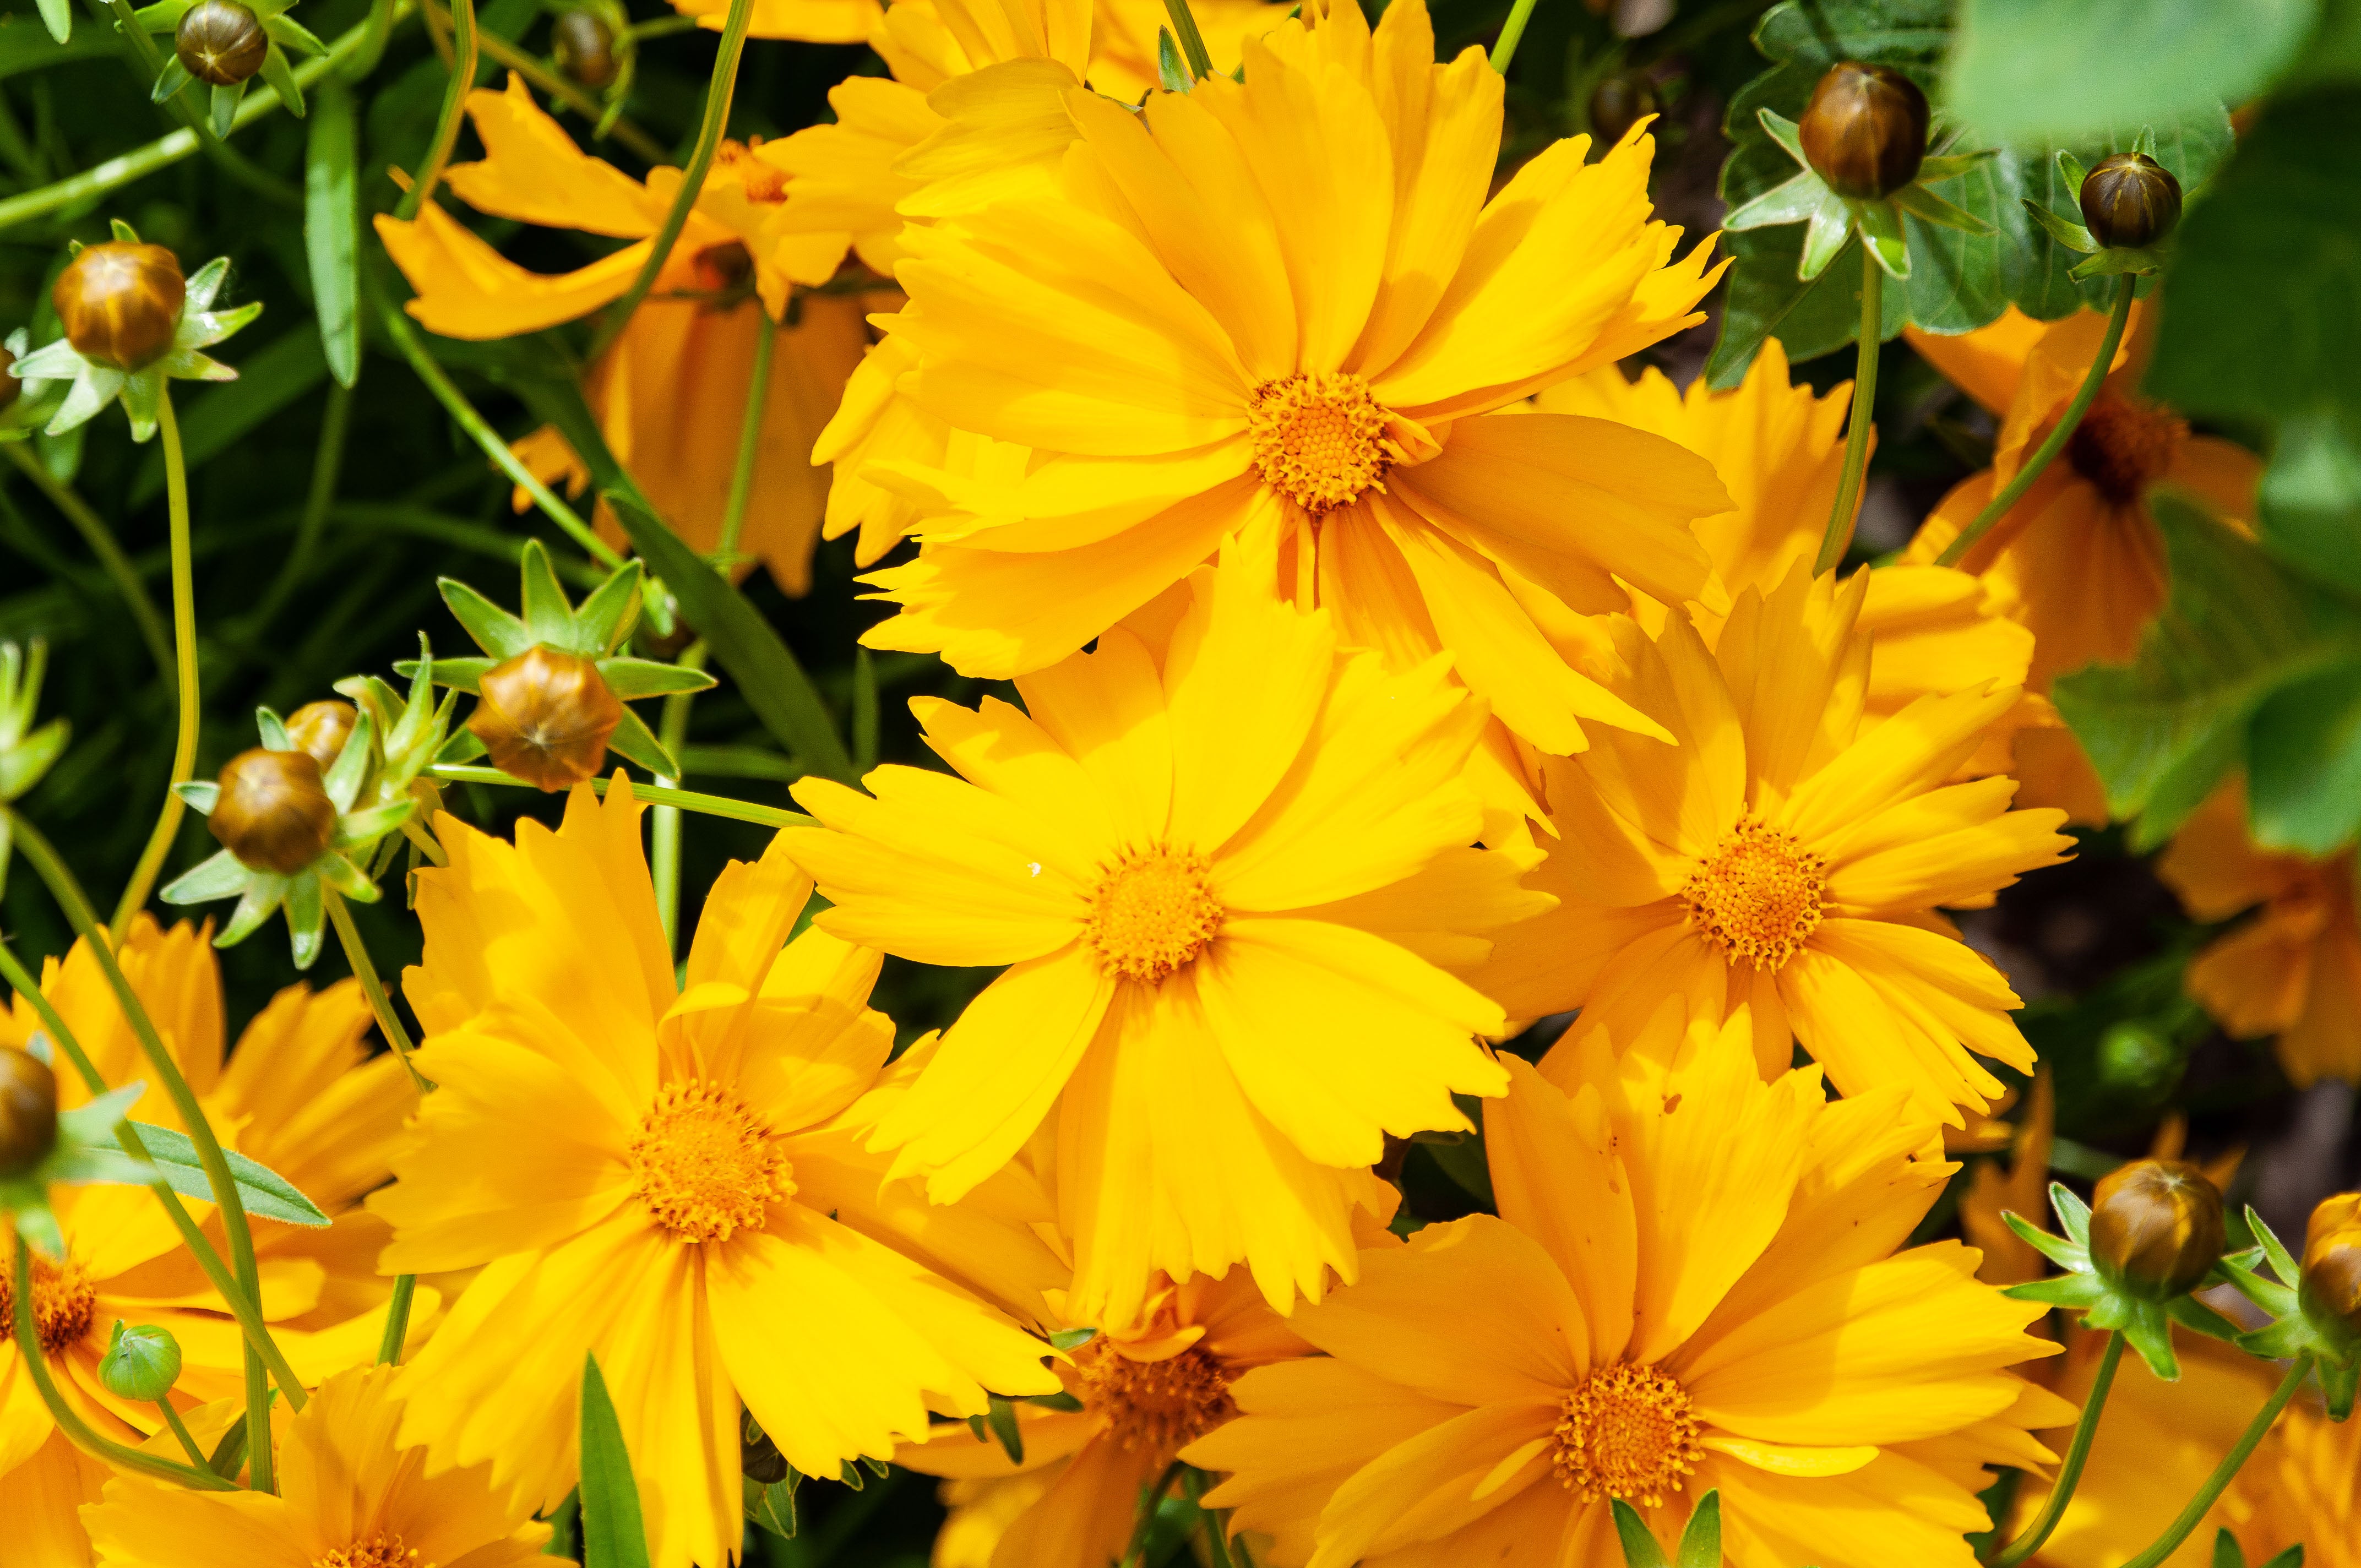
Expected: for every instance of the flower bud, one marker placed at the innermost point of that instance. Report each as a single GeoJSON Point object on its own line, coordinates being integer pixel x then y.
{"type": "Point", "coordinates": [2130, 200]}
{"type": "Point", "coordinates": [9, 385]}
{"type": "Point", "coordinates": [120, 303]}
{"type": "Point", "coordinates": [2330, 1293]}
{"type": "Point", "coordinates": [544, 716]}
{"type": "Point", "coordinates": [221, 42]}
{"type": "Point", "coordinates": [584, 48]}
{"type": "Point", "coordinates": [140, 1363]}
{"type": "Point", "coordinates": [2156, 1228]}
{"type": "Point", "coordinates": [29, 1111]}
{"type": "Point", "coordinates": [1621, 101]}
{"type": "Point", "coordinates": [760, 1458]}
{"type": "Point", "coordinates": [274, 814]}
{"type": "Point", "coordinates": [1864, 131]}
{"type": "Point", "coordinates": [321, 728]}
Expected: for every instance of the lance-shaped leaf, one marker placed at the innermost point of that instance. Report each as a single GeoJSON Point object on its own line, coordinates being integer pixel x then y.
{"type": "Point", "coordinates": [263, 1190]}
{"type": "Point", "coordinates": [614, 1535]}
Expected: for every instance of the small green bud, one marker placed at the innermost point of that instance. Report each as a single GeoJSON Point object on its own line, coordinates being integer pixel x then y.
{"type": "Point", "coordinates": [2330, 1294]}
{"type": "Point", "coordinates": [141, 1362]}
{"type": "Point", "coordinates": [2130, 200]}
{"type": "Point", "coordinates": [2156, 1228]}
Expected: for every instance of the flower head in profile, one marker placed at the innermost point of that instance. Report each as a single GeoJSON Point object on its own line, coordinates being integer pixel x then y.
{"type": "Point", "coordinates": [1783, 858]}
{"type": "Point", "coordinates": [1693, 1285]}
{"type": "Point", "coordinates": [226, 44]}
{"type": "Point", "coordinates": [661, 1174]}
{"type": "Point", "coordinates": [1318, 309]}
{"type": "Point", "coordinates": [1228, 864]}
{"type": "Point", "coordinates": [351, 1494]}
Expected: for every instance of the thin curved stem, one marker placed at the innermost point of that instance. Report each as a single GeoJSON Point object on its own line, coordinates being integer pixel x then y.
{"type": "Point", "coordinates": [717, 97]}
{"type": "Point", "coordinates": [101, 540]}
{"type": "Point", "coordinates": [663, 821]}
{"type": "Point", "coordinates": [2063, 431]}
{"type": "Point", "coordinates": [356, 954]}
{"type": "Point", "coordinates": [2165, 1545]}
{"type": "Point", "coordinates": [184, 649]}
{"type": "Point", "coordinates": [188, 1439]}
{"type": "Point", "coordinates": [1513, 33]}
{"type": "Point", "coordinates": [2070, 1473]}
{"type": "Point", "coordinates": [507, 55]}
{"type": "Point", "coordinates": [397, 1321]}
{"type": "Point", "coordinates": [78, 1432]}
{"type": "Point", "coordinates": [750, 440]}
{"type": "Point", "coordinates": [455, 100]}
{"type": "Point", "coordinates": [1192, 40]}
{"type": "Point", "coordinates": [1838, 536]}
{"type": "Point", "coordinates": [653, 795]}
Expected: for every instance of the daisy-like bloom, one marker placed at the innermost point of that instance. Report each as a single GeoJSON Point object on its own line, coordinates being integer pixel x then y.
{"type": "Point", "coordinates": [1780, 859]}
{"type": "Point", "coordinates": [1280, 309]}
{"type": "Point", "coordinates": [2299, 1488]}
{"type": "Point", "coordinates": [671, 392]}
{"type": "Point", "coordinates": [1692, 1285]}
{"type": "Point", "coordinates": [351, 1495]}
{"type": "Point", "coordinates": [2293, 971]}
{"type": "Point", "coordinates": [1227, 865]}
{"type": "Point", "coordinates": [807, 21]}
{"type": "Point", "coordinates": [2022, 1190]}
{"type": "Point", "coordinates": [657, 1174]}
{"type": "Point", "coordinates": [2078, 560]}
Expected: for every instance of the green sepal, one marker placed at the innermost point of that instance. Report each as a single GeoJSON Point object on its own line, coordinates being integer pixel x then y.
{"type": "Point", "coordinates": [58, 16]}
{"type": "Point", "coordinates": [2073, 1214]}
{"type": "Point", "coordinates": [1825, 237]}
{"type": "Point", "coordinates": [1060, 1400]}
{"type": "Point", "coordinates": [2288, 1336]}
{"type": "Point", "coordinates": [1073, 1339]}
{"type": "Point", "coordinates": [635, 740]}
{"type": "Point", "coordinates": [460, 674]}
{"type": "Point", "coordinates": [2198, 1318]}
{"type": "Point", "coordinates": [2145, 143]}
{"type": "Point", "coordinates": [1002, 1419]}
{"type": "Point", "coordinates": [142, 390]}
{"type": "Point", "coordinates": [272, 729]}
{"type": "Point", "coordinates": [496, 631]}
{"type": "Point", "coordinates": [773, 1507]}
{"type": "Point", "coordinates": [1921, 202]}
{"type": "Point", "coordinates": [632, 679]}
{"type": "Point", "coordinates": [171, 80]}
{"type": "Point", "coordinates": [1639, 1548]}
{"type": "Point", "coordinates": [2083, 1291]}
{"type": "Point", "coordinates": [1880, 229]}
{"type": "Point", "coordinates": [2146, 1330]}
{"type": "Point", "coordinates": [2056, 1249]}
{"type": "Point", "coordinates": [1950, 166]}
{"type": "Point", "coordinates": [463, 747]}
{"type": "Point", "coordinates": [339, 872]}
{"type": "Point", "coordinates": [307, 915]}
{"type": "Point", "coordinates": [2070, 235]}
{"type": "Point", "coordinates": [1701, 1541]}
{"type": "Point", "coordinates": [1794, 203]}
{"type": "Point", "coordinates": [287, 30]}
{"type": "Point", "coordinates": [848, 1474]}
{"type": "Point", "coordinates": [282, 76]}
{"type": "Point", "coordinates": [200, 795]}
{"type": "Point", "coordinates": [614, 1534]}
{"type": "Point", "coordinates": [265, 892]}
{"type": "Point", "coordinates": [548, 616]}
{"type": "Point", "coordinates": [2071, 172]}
{"type": "Point", "coordinates": [224, 107]}
{"type": "Point", "coordinates": [2337, 1384]}
{"type": "Point", "coordinates": [2279, 1300]}
{"type": "Point", "coordinates": [606, 617]}
{"type": "Point", "coordinates": [1171, 71]}
{"type": "Point", "coordinates": [218, 876]}
{"type": "Point", "coordinates": [2283, 1263]}
{"type": "Point", "coordinates": [164, 17]}
{"type": "Point", "coordinates": [344, 778]}
{"type": "Point", "coordinates": [2116, 260]}
{"type": "Point", "coordinates": [358, 829]}
{"type": "Point", "coordinates": [1786, 133]}
{"type": "Point", "coordinates": [28, 1206]}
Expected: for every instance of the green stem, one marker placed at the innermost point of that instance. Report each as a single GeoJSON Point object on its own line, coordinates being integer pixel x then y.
{"type": "Point", "coordinates": [184, 647]}
{"type": "Point", "coordinates": [1217, 1545]}
{"type": "Point", "coordinates": [663, 821]}
{"type": "Point", "coordinates": [147, 64]}
{"type": "Point", "coordinates": [659, 28]}
{"type": "Point", "coordinates": [571, 94]}
{"type": "Point", "coordinates": [181, 1430]}
{"type": "Point", "coordinates": [717, 95]}
{"type": "Point", "coordinates": [1838, 533]}
{"type": "Point", "coordinates": [454, 99]}
{"type": "Point", "coordinates": [1150, 1499]}
{"type": "Point", "coordinates": [94, 533]}
{"type": "Point", "coordinates": [1192, 41]}
{"type": "Point", "coordinates": [749, 441]}
{"type": "Point", "coordinates": [1513, 33]}
{"type": "Point", "coordinates": [2063, 431]}
{"type": "Point", "coordinates": [654, 794]}
{"type": "Point", "coordinates": [373, 34]}
{"type": "Point", "coordinates": [357, 953]}
{"type": "Point", "coordinates": [79, 1431]}
{"type": "Point", "coordinates": [327, 462]}
{"type": "Point", "coordinates": [2070, 1474]}
{"type": "Point", "coordinates": [397, 1321]}
{"type": "Point", "coordinates": [2178, 1531]}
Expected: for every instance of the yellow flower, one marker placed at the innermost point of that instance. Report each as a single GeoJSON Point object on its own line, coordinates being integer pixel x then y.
{"type": "Point", "coordinates": [2023, 1191]}
{"type": "Point", "coordinates": [2078, 560]}
{"type": "Point", "coordinates": [1281, 309]}
{"type": "Point", "coordinates": [2299, 1486]}
{"type": "Point", "coordinates": [350, 1496]}
{"type": "Point", "coordinates": [1691, 1285]}
{"type": "Point", "coordinates": [671, 392]}
{"type": "Point", "coordinates": [1779, 858]}
{"type": "Point", "coordinates": [2294, 969]}
{"type": "Point", "coordinates": [1224, 862]}
{"type": "Point", "coordinates": [808, 21]}
{"type": "Point", "coordinates": [670, 1178]}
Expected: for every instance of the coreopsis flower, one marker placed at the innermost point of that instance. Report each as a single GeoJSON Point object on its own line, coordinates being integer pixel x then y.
{"type": "Point", "coordinates": [2294, 969]}
{"type": "Point", "coordinates": [651, 1171]}
{"type": "Point", "coordinates": [1316, 307]}
{"type": "Point", "coordinates": [1215, 852]}
{"type": "Point", "coordinates": [2008, 1258]}
{"type": "Point", "coordinates": [671, 391]}
{"type": "Point", "coordinates": [2078, 560]}
{"type": "Point", "coordinates": [1783, 859]}
{"type": "Point", "coordinates": [351, 1495]}
{"type": "Point", "coordinates": [1692, 1285]}
{"type": "Point", "coordinates": [2299, 1489]}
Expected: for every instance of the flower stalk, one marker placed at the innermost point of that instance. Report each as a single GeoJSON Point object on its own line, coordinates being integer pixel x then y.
{"type": "Point", "coordinates": [184, 647]}
{"type": "Point", "coordinates": [397, 1319]}
{"type": "Point", "coordinates": [454, 99]}
{"type": "Point", "coordinates": [2165, 1545]}
{"type": "Point", "coordinates": [654, 794]}
{"type": "Point", "coordinates": [1513, 33]}
{"type": "Point", "coordinates": [1190, 38]}
{"type": "Point", "coordinates": [664, 823]}
{"type": "Point", "coordinates": [356, 954]}
{"type": "Point", "coordinates": [2070, 1473]}
{"type": "Point", "coordinates": [1839, 535]}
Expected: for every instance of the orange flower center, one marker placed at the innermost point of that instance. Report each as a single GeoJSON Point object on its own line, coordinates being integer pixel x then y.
{"type": "Point", "coordinates": [705, 1165]}
{"type": "Point", "coordinates": [2123, 447]}
{"type": "Point", "coordinates": [380, 1552]}
{"type": "Point", "coordinates": [763, 182]}
{"type": "Point", "coordinates": [1757, 896]}
{"type": "Point", "coordinates": [1320, 439]}
{"type": "Point", "coordinates": [1629, 1431]}
{"type": "Point", "coordinates": [1160, 1406]}
{"type": "Point", "coordinates": [1152, 914]}
{"type": "Point", "coordinates": [65, 1303]}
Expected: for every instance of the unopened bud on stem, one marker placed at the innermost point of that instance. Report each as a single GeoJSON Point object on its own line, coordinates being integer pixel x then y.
{"type": "Point", "coordinates": [2130, 200]}
{"type": "Point", "coordinates": [1865, 130]}
{"type": "Point", "coordinates": [1621, 101]}
{"type": "Point", "coordinates": [320, 729]}
{"type": "Point", "coordinates": [2330, 1293]}
{"type": "Point", "coordinates": [544, 716]}
{"type": "Point", "coordinates": [29, 1111]}
{"type": "Point", "coordinates": [141, 1362]}
{"type": "Point", "coordinates": [584, 48]}
{"type": "Point", "coordinates": [220, 42]}
{"type": "Point", "coordinates": [274, 814]}
{"type": "Point", "coordinates": [120, 303]}
{"type": "Point", "coordinates": [2156, 1228]}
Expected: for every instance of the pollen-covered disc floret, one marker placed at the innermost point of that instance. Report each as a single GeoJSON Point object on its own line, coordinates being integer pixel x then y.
{"type": "Point", "coordinates": [1757, 896]}
{"type": "Point", "coordinates": [2123, 447]}
{"type": "Point", "coordinates": [1159, 1406]}
{"type": "Point", "coordinates": [1320, 439]}
{"type": "Point", "coordinates": [1153, 912]}
{"type": "Point", "coordinates": [1629, 1431]}
{"type": "Point", "coordinates": [380, 1552]}
{"type": "Point", "coordinates": [65, 1304]}
{"type": "Point", "coordinates": [705, 1165]}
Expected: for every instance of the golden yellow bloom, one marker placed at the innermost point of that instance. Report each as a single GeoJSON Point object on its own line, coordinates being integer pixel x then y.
{"type": "Point", "coordinates": [350, 1496]}
{"type": "Point", "coordinates": [1780, 859]}
{"type": "Point", "coordinates": [671, 392]}
{"type": "Point", "coordinates": [2300, 1488]}
{"type": "Point", "coordinates": [2294, 969]}
{"type": "Point", "coordinates": [808, 21]}
{"type": "Point", "coordinates": [671, 1177]}
{"type": "Point", "coordinates": [2008, 1259]}
{"type": "Point", "coordinates": [1692, 1285]}
{"type": "Point", "coordinates": [1228, 867]}
{"type": "Point", "coordinates": [1281, 309]}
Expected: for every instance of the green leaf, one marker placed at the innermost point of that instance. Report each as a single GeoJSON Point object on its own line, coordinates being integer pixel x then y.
{"type": "Point", "coordinates": [1639, 1548]}
{"type": "Point", "coordinates": [1171, 70]}
{"type": "Point", "coordinates": [263, 1190]}
{"type": "Point", "coordinates": [606, 618]}
{"type": "Point", "coordinates": [216, 876]}
{"type": "Point", "coordinates": [2164, 730]}
{"type": "Point", "coordinates": [773, 1507]}
{"type": "Point", "coordinates": [2303, 762]}
{"type": "Point", "coordinates": [1002, 1420]}
{"type": "Point", "coordinates": [496, 631]}
{"type": "Point", "coordinates": [548, 618]}
{"type": "Point", "coordinates": [210, 425]}
{"type": "Point", "coordinates": [613, 1534]}
{"type": "Point", "coordinates": [2030, 69]}
{"type": "Point", "coordinates": [2056, 1249]}
{"type": "Point", "coordinates": [632, 679]}
{"type": "Point", "coordinates": [26, 49]}
{"type": "Point", "coordinates": [331, 230]}
{"type": "Point", "coordinates": [2283, 1262]}
{"type": "Point", "coordinates": [2310, 500]}
{"type": "Point", "coordinates": [58, 16]}
{"type": "Point", "coordinates": [1701, 1542]}
{"type": "Point", "coordinates": [2294, 1556]}
{"type": "Point", "coordinates": [2227, 1554]}
{"type": "Point", "coordinates": [635, 740]}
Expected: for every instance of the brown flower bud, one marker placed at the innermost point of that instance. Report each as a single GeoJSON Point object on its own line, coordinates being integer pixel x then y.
{"type": "Point", "coordinates": [2130, 200]}
{"type": "Point", "coordinates": [121, 302]}
{"type": "Point", "coordinates": [584, 48]}
{"type": "Point", "coordinates": [2156, 1228]}
{"type": "Point", "coordinates": [2330, 1293]}
{"type": "Point", "coordinates": [321, 728]}
{"type": "Point", "coordinates": [29, 1111]}
{"type": "Point", "coordinates": [1621, 100]}
{"type": "Point", "coordinates": [1864, 131]}
{"type": "Point", "coordinates": [9, 385]}
{"type": "Point", "coordinates": [273, 813]}
{"type": "Point", "coordinates": [544, 716]}
{"type": "Point", "coordinates": [220, 41]}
